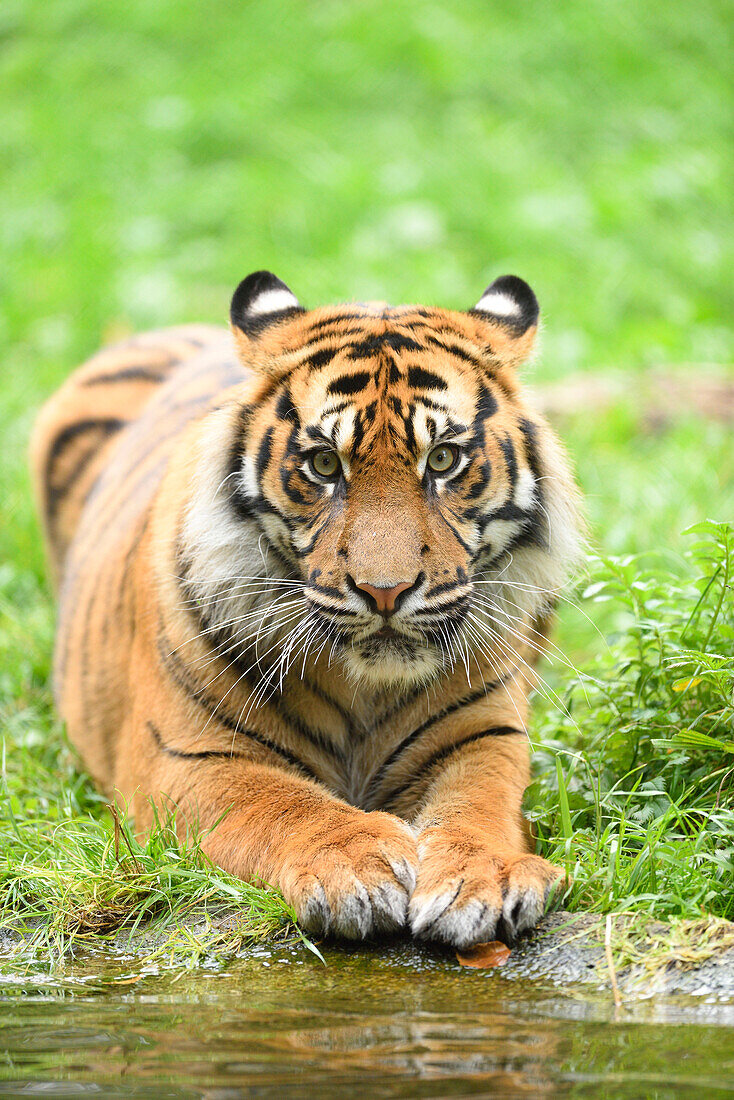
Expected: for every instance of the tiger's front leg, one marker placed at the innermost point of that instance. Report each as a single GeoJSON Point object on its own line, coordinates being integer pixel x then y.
{"type": "Point", "coordinates": [345, 872]}
{"type": "Point", "coordinates": [476, 875]}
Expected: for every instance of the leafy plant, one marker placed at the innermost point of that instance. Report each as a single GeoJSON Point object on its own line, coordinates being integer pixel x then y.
{"type": "Point", "coordinates": [634, 771]}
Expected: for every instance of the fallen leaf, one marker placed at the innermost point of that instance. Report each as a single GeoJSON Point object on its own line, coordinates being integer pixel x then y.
{"type": "Point", "coordinates": [483, 955]}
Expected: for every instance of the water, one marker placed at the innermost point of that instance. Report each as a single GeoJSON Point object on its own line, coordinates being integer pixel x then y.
{"type": "Point", "coordinates": [390, 1022]}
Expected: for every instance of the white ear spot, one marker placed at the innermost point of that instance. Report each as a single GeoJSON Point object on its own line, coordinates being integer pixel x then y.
{"type": "Point", "coordinates": [258, 297]}
{"type": "Point", "coordinates": [271, 301]}
{"type": "Point", "coordinates": [511, 303]}
{"type": "Point", "coordinates": [499, 304]}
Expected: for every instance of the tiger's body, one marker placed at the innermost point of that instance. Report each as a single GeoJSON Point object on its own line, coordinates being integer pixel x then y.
{"type": "Point", "coordinates": [281, 608]}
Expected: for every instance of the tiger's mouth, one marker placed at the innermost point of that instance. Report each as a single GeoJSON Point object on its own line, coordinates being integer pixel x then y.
{"type": "Point", "coordinates": [402, 649]}
{"type": "Point", "coordinates": [388, 644]}
{"type": "Point", "coordinates": [387, 657]}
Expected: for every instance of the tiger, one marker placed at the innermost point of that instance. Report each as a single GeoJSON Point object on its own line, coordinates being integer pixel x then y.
{"type": "Point", "coordinates": [306, 567]}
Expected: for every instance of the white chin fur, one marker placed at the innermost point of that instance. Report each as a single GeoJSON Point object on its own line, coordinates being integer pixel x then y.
{"type": "Point", "coordinates": [390, 670]}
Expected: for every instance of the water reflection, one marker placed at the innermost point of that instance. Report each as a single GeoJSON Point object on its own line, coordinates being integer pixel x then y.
{"type": "Point", "coordinates": [394, 1023]}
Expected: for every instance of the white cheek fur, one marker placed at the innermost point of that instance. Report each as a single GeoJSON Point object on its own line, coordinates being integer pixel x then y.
{"type": "Point", "coordinates": [525, 490]}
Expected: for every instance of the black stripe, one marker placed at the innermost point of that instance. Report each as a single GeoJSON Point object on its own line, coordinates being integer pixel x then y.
{"type": "Point", "coordinates": [483, 470]}
{"type": "Point", "coordinates": [530, 435]}
{"type": "Point", "coordinates": [254, 324]}
{"type": "Point", "coordinates": [455, 349]}
{"type": "Point", "coordinates": [366, 349]}
{"type": "Point", "coordinates": [286, 410]}
{"type": "Point", "coordinates": [512, 512]}
{"type": "Point", "coordinates": [449, 750]}
{"type": "Point", "coordinates": [319, 692]}
{"type": "Point", "coordinates": [106, 426]}
{"type": "Point", "coordinates": [188, 407]}
{"type": "Point", "coordinates": [209, 754]}
{"type": "Point", "coordinates": [447, 609]}
{"type": "Point", "coordinates": [464, 545]}
{"type": "Point", "coordinates": [399, 342]}
{"type": "Point", "coordinates": [325, 341]}
{"type": "Point", "coordinates": [510, 458]}
{"type": "Point", "coordinates": [55, 493]}
{"type": "Point", "coordinates": [357, 432]}
{"type": "Point", "coordinates": [402, 315]}
{"type": "Point", "coordinates": [438, 588]}
{"type": "Point", "coordinates": [292, 491]}
{"type": "Point", "coordinates": [465, 701]}
{"type": "Point", "coordinates": [333, 319]}
{"type": "Point", "coordinates": [328, 590]}
{"type": "Point", "coordinates": [264, 454]}
{"type": "Point", "coordinates": [486, 407]}
{"type": "Point", "coordinates": [402, 703]}
{"type": "Point", "coordinates": [349, 383]}
{"type": "Point", "coordinates": [408, 423]}
{"type": "Point", "coordinates": [420, 378]}
{"type": "Point", "coordinates": [534, 520]}
{"type": "Point", "coordinates": [128, 374]}
{"type": "Point", "coordinates": [435, 405]}
{"type": "Point", "coordinates": [181, 677]}
{"type": "Point", "coordinates": [77, 572]}
{"type": "Point", "coordinates": [243, 505]}
{"type": "Point", "coordinates": [291, 477]}
{"type": "Point", "coordinates": [315, 538]}
{"type": "Point", "coordinates": [333, 612]}
{"type": "Point", "coordinates": [318, 359]}
{"type": "Point", "coordinates": [252, 666]}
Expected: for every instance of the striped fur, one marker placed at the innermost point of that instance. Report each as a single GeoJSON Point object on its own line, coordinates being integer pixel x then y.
{"type": "Point", "coordinates": [217, 648]}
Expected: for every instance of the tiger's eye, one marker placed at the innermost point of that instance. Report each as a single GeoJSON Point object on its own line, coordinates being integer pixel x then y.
{"type": "Point", "coordinates": [325, 463]}
{"type": "Point", "coordinates": [443, 458]}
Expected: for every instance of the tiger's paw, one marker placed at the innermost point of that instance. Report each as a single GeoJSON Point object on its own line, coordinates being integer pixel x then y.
{"type": "Point", "coordinates": [355, 878]}
{"type": "Point", "coordinates": [466, 895]}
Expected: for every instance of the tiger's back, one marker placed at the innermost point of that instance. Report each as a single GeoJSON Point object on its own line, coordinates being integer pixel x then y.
{"type": "Point", "coordinates": [99, 449]}
{"type": "Point", "coordinates": [80, 425]}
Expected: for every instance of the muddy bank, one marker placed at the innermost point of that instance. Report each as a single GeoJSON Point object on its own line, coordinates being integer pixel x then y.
{"type": "Point", "coordinates": [567, 949]}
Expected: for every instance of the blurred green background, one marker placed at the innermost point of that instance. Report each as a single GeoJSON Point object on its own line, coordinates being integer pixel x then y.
{"type": "Point", "coordinates": [154, 152]}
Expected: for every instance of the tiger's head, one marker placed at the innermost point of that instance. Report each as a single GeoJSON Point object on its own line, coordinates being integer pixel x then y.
{"type": "Point", "coordinates": [392, 469]}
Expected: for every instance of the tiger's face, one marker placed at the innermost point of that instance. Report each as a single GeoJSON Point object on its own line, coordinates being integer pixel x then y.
{"type": "Point", "coordinates": [396, 472]}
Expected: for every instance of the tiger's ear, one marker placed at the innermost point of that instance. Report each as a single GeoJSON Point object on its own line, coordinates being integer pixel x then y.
{"type": "Point", "coordinates": [261, 300]}
{"type": "Point", "coordinates": [512, 310]}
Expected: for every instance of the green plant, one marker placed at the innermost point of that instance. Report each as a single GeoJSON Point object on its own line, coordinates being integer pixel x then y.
{"type": "Point", "coordinates": [634, 773]}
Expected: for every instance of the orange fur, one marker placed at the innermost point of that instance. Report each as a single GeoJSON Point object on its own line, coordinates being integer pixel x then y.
{"type": "Point", "coordinates": [216, 648]}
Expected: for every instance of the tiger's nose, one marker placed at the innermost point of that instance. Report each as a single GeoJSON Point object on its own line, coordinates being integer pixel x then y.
{"type": "Point", "coordinates": [385, 599]}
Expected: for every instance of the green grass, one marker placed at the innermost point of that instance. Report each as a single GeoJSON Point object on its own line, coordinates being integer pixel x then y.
{"type": "Point", "coordinates": [154, 154]}
{"type": "Point", "coordinates": [68, 880]}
